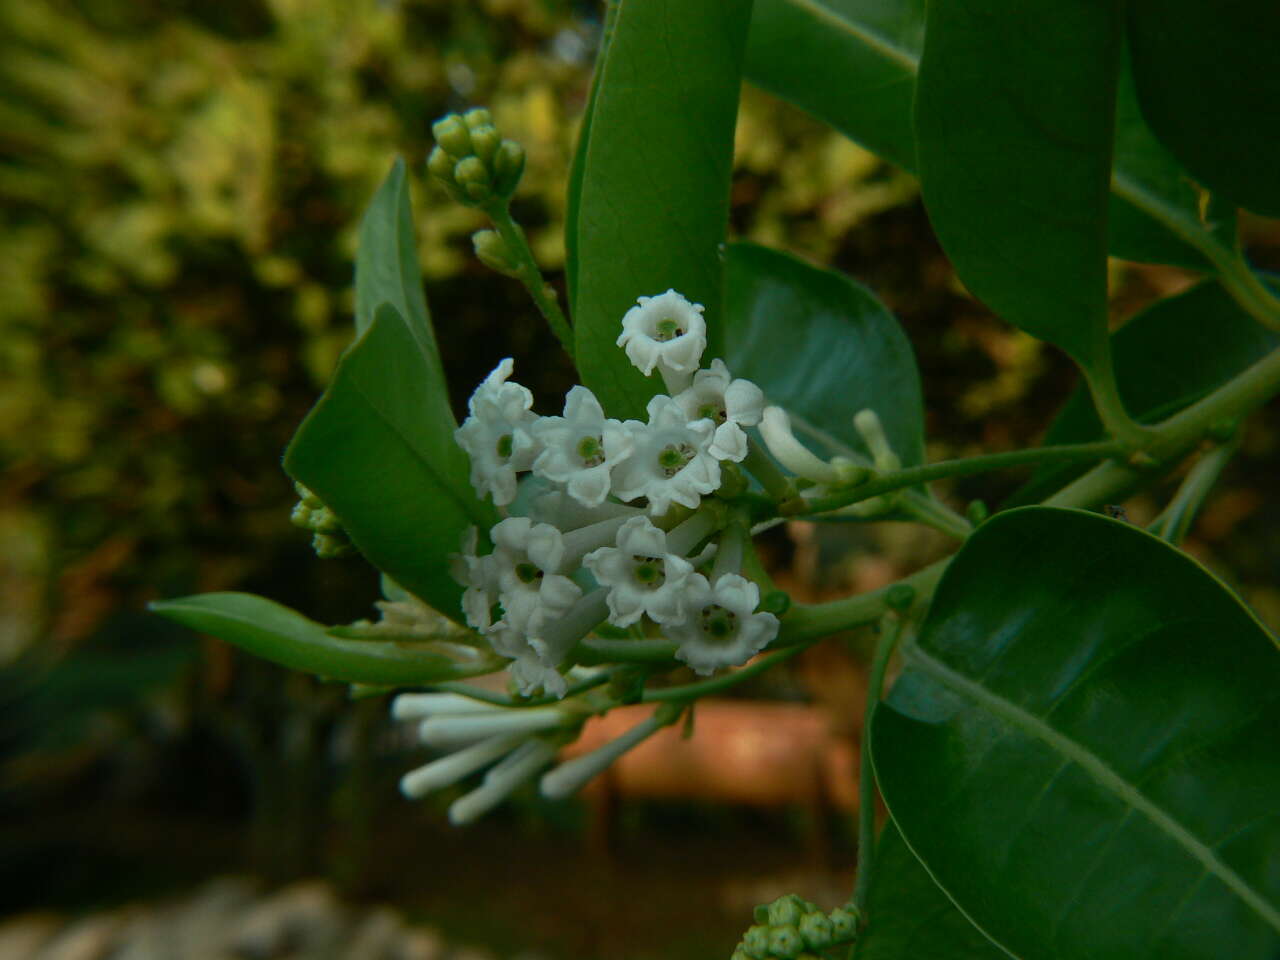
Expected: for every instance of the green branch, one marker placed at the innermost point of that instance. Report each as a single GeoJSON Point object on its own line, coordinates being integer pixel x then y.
{"type": "Point", "coordinates": [525, 269]}
{"type": "Point", "coordinates": [691, 691]}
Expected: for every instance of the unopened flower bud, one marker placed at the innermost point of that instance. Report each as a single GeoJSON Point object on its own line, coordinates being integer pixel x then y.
{"type": "Point", "coordinates": [844, 924]}
{"type": "Point", "coordinates": [440, 164]}
{"type": "Point", "coordinates": [452, 134]}
{"type": "Point", "coordinates": [900, 596]}
{"type": "Point", "coordinates": [977, 512]}
{"type": "Point", "coordinates": [786, 910]}
{"type": "Point", "coordinates": [508, 165]}
{"type": "Point", "coordinates": [739, 954]}
{"type": "Point", "coordinates": [755, 942]}
{"type": "Point", "coordinates": [867, 423]}
{"type": "Point", "coordinates": [776, 602]}
{"type": "Point", "coordinates": [477, 117]}
{"type": "Point", "coordinates": [815, 930]}
{"type": "Point", "coordinates": [491, 250]}
{"type": "Point", "coordinates": [486, 141]}
{"type": "Point", "coordinates": [761, 913]}
{"type": "Point", "coordinates": [785, 942]}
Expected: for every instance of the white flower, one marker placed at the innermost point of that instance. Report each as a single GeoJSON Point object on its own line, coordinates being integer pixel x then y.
{"type": "Point", "coordinates": [672, 459]}
{"type": "Point", "coordinates": [497, 435]}
{"type": "Point", "coordinates": [642, 576]}
{"type": "Point", "coordinates": [479, 575]}
{"type": "Point", "coordinates": [580, 448]}
{"type": "Point", "coordinates": [722, 629]}
{"type": "Point", "coordinates": [731, 404]}
{"type": "Point", "coordinates": [526, 558]}
{"type": "Point", "coordinates": [666, 331]}
{"type": "Point", "coordinates": [572, 775]}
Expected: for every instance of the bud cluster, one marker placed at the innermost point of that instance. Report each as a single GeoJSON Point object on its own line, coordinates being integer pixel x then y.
{"type": "Point", "coordinates": [472, 160]}
{"type": "Point", "coordinates": [328, 539]}
{"type": "Point", "coordinates": [792, 928]}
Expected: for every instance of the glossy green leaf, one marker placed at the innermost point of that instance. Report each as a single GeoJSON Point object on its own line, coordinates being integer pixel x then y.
{"type": "Point", "coordinates": [1081, 746]}
{"type": "Point", "coordinates": [1166, 358]}
{"type": "Point", "coordinates": [653, 200]}
{"type": "Point", "coordinates": [389, 470]}
{"type": "Point", "coordinates": [284, 636]}
{"type": "Point", "coordinates": [1014, 110]}
{"type": "Point", "coordinates": [851, 63]}
{"type": "Point", "coordinates": [908, 915]}
{"type": "Point", "coordinates": [823, 347]}
{"type": "Point", "coordinates": [1208, 78]}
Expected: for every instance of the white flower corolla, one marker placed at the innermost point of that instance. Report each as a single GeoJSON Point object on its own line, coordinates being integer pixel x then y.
{"type": "Point", "coordinates": [572, 775]}
{"type": "Point", "coordinates": [581, 448]}
{"type": "Point", "coordinates": [642, 576]}
{"type": "Point", "coordinates": [667, 332]}
{"type": "Point", "coordinates": [502, 779]}
{"type": "Point", "coordinates": [526, 558]}
{"type": "Point", "coordinates": [775, 428]}
{"type": "Point", "coordinates": [722, 628]}
{"type": "Point", "coordinates": [479, 575]}
{"type": "Point", "coordinates": [672, 461]}
{"type": "Point", "coordinates": [496, 436]}
{"type": "Point", "coordinates": [730, 404]}
{"type": "Point", "coordinates": [534, 664]}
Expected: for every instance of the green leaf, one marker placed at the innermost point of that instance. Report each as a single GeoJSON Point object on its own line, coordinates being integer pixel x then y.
{"type": "Point", "coordinates": [656, 160]}
{"type": "Point", "coordinates": [1014, 109]}
{"type": "Point", "coordinates": [1207, 77]}
{"type": "Point", "coordinates": [1166, 358]}
{"type": "Point", "coordinates": [1081, 746]}
{"type": "Point", "coordinates": [910, 917]}
{"type": "Point", "coordinates": [823, 347]}
{"type": "Point", "coordinates": [276, 633]}
{"type": "Point", "coordinates": [378, 456]}
{"type": "Point", "coordinates": [851, 63]}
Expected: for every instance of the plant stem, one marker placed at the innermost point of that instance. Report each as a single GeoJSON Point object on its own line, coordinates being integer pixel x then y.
{"type": "Point", "coordinates": [691, 691]}
{"type": "Point", "coordinates": [489, 696]}
{"type": "Point", "coordinates": [1176, 518]}
{"type": "Point", "coordinates": [1106, 401]}
{"type": "Point", "coordinates": [527, 272]}
{"type": "Point", "coordinates": [1248, 291]}
{"type": "Point", "coordinates": [891, 631]}
{"type": "Point", "coordinates": [806, 622]}
{"type": "Point", "coordinates": [761, 466]}
{"type": "Point", "coordinates": [912, 476]}
{"type": "Point", "coordinates": [938, 515]}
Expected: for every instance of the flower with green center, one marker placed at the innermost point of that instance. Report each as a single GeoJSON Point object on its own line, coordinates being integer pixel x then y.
{"type": "Point", "coordinates": [671, 461]}
{"type": "Point", "coordinates": [581, 448]}
{"type": "Point", "coordinates": [666, 332]}
{"type": "Point", "coordinates": [730, 404]}
{"type": "Point", "coordinates": [642, 575]}
{"type": "Point", "coordinates": [498, 435]}
{"type": "Point", "coordinates": [722, 629]}
{"type": "Point", "coordinates": [480, 577]}
{"type": "Point", "coordinates": [527, 558]}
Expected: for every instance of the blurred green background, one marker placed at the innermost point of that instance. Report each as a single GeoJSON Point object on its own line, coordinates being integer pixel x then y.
{"type": "Point", "coordinates": [180, 185]}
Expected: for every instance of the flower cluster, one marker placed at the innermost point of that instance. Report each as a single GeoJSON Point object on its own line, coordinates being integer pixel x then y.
{"type": "Point", "coordinates": [792, 928]}
{"type": "Point", "coordinates": [599, 537]}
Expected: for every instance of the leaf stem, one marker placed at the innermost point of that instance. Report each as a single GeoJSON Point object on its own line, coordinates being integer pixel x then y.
{"type": "Point", "coordinates": [691, 691]}
{"type": "Point", "coordinates": [1106, 401]}
{"type": "Point", "coordinates": [912, 476]}
{"type": "Point", "coordinates": [1176, 518]}
{"type": "Point", "coordinates": [890, 633]}
{"type": "Point", "coordinates": [804, 622]}
{"type": "Point", "coordinates": [527, 272]}
{"type": "Point", "coordinates": [1247, 290]}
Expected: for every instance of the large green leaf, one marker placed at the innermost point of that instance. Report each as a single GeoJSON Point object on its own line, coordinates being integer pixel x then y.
{"type": "Point", "coordinates": [373, 450]}
{"type": "Point", "coordinates": [1166, 358]}
{"type": "Point", "coordinates": [1014, 112]}
{"type": "Point", "coordinates": [653, 200]}
{"type": "Point", "coordinates": [276, 633]}
{"type": "Point", "coordinates": [1209, 81]}
{"type": "Point", "coordinates": [909, 917]}
{"type": "Point", "coordinates": [1081, 747]}
{"type": "Point", "coordinates": [823, 347]}
{"type": "Point", "coordinates": [851, 63]}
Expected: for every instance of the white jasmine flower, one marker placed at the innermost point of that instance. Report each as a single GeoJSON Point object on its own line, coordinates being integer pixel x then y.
{"type": "Point", "coordinates": [775, 428]}
{"type": "Point", "coordinates": [667, 332]}
{"type": "Point", "coordinates": [451, 768]}
{"type": "Point", "coordinates": [572, 775]}
{"type": "Point", "coordinates": [641, 574]}
{"type": "Point", "coordinates": [526, 558]}
{"type": "Point", "coordinates": [536, 660]}
{"type": "Point", "coordinates": [497, 435]}
{"type": "Point", "coordinates": [501, 781]}
{"type": "Point", "coordinates": [722, 629]}
{"type": "Point", "coordinates": [730, 404]}
{"type": "Point", "coordinates": [479, 576]}
{"type": "Point", "coordinates": [581, 448]}
{"type": "Point", "coordinates": [672, 459]}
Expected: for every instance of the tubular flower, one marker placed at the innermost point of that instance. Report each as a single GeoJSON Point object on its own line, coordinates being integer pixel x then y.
{"type": "Point", "coordinates": [642, 576]}
{"type": "Point", "coordinates": [730, 404]}
{"type": "Point", "coordinates": [526, 558]}
{"type": "Point", "coordinates": [721, 629]}
{"type": "Point", "coordinates": [581, 448]}
{"type": "Point", "coordinates": [497, 434]}
{"type": "Point", "coordinates": [479, 576]}
{"type": "Point", "coordinates": [672, 461]}
{"type": "Point", "coordinates": [667, 332]}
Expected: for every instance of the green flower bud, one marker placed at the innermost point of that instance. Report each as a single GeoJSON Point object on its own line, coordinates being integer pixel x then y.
{"type": "Point", "coordinates": [761, 913]}
{"type": "Point", "coordinates": [755, 942]}
{"type": "Point", "coordinates": [477, 117]}
{"type": "Point", "coordinates": [508, 165]}
{"type": "Point", "coordinates": [472, 177]}
{"type": "Point", "coordinates": [486, 141]}
{"type": "Point", "coordinates": [739, 954]}
{"type": "Point", "coordinates": [452, 134]}
{"type": "Point", "coordinates": [844, 924]}
{"type": "Point", "coordinates": [329, 547]}
{"type": "Point", "coordinates": [786, 910]}
{"type": "Point", "coordinates": [440, 164]}
{"type": "Point", "coordinates": [900, 596]}
{"type": "Point", "coordinates": [492, 251]}
{"type": "Point", "coordinates": [977, 512]}
{"type": "Point", "coordinates": [733, 482]}
{"type": "Point", "coordinates": [301, 515]}
{"type": "Point", "coordinates": [815, 930]}
{"type": "Point", "coordinates": [776, 602]}
{"type": "Point", "coordinates": [786, 943]}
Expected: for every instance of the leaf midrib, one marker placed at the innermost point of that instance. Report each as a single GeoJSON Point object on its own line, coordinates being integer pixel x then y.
{"type": "Point", "coordinates": [1102, 774]}
{"type": "Point", "coordinates": [878, 43]}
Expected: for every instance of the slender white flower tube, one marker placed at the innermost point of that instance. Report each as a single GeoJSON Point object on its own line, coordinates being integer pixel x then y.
{"type": "Point", "coordinates": [581, 448]}
{"type": "Point", "coordinates": [667, 332]}
{"type": "Point", "coordinates": [449, 769]}
{"type": "Point", "coordinates": [672, 461]}
{"type": "Point", "coordinates": [642, 574]}
{"type": "Point", "coordinates": [457, 729]}
{"type": "Point", "coordinates": [563, 512]}
{"type": "Point", "coordinates": [730, 404]}
{"type": "Point", "coordinates": [572, 775]}
{"type": "Point", "coordinates": [722, 629]}
{"type": "Point", "coordinates": [775, 428]}
{"type": "Point", "coordinates": [418, 706]}
{"type": "Point", "coordinates": [497, 435]}
{"type": "Point", "coordinates": [867, 423]}
{"type": "Point", "coordinates": [518, 766]}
